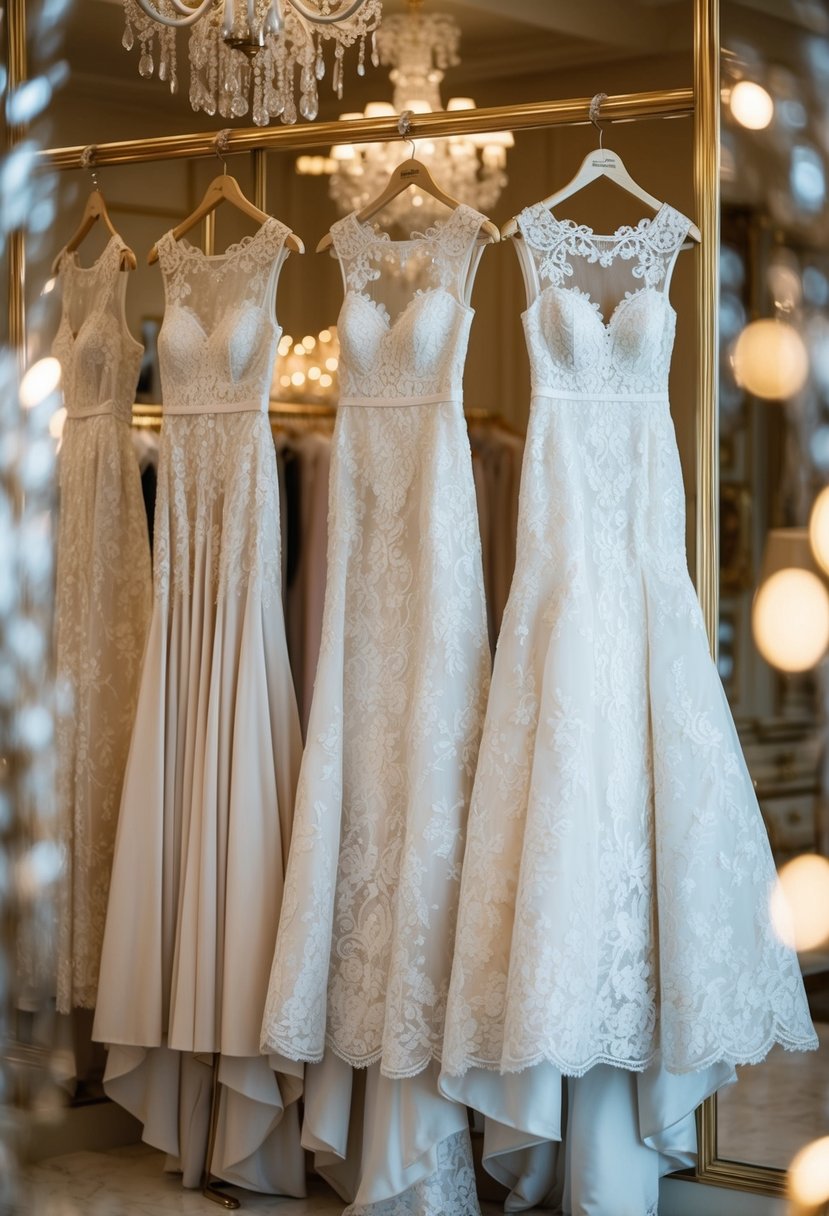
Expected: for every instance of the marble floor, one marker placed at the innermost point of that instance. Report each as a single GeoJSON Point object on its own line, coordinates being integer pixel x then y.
{"type": "Point", "coordinates": [131, 1182]}
{"type": "Point", "coordinates": [776, 1107]}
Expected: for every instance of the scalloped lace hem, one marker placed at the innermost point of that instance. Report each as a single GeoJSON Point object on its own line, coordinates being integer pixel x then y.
{"type": "Point", "coordinates": [569, 1068]}
{"type": "Point", "coordinates": [291, 1052]}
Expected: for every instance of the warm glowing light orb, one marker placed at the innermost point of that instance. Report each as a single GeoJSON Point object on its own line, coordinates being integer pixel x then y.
{"type": "Point", "coordinates": [819, 529]}
{"type": "Point", "coordinates": [809, 1174]}
{"type": "Point", "coordinates": [751, 105]}
{"type": "Point", "coordinates": [40, 380]}
{"type": "Point", "coordinates": [800, 902]}
{"type": "Point", "coordinates": [770, 359]}
{"type": "Point", "coordinates": [790, 619]}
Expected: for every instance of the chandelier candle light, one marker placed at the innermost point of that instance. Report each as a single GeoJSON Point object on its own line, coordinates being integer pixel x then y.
{"type": "Point", "coordinates": [249, 55]}
{"type": "Point", "coordinates": [418, 47]}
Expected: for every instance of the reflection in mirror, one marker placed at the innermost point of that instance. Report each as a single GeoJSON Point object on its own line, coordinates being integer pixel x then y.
{"type": "Point", "coordinates": [774, 465]}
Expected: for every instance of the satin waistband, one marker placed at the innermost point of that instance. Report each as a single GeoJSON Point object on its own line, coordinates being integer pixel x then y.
{"type": "Point", "coordinates": [219, 407]}
{"type": "Point", "coordinates": [430, 399]}
{"type": "Point", "coordinates": [560, 394]}
{"type": "Point", "coordinates": [101, 410]}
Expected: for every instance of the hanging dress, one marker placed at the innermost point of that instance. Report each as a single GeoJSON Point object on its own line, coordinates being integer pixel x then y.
{"type": "Point", "coordinates": [102, 600]}
{"type": "Point", "coordinates": [208, 798]}
{"type": "Point", "coordinates": [614, 917]}
{"type": "Point", "coordinates": [361, 969]}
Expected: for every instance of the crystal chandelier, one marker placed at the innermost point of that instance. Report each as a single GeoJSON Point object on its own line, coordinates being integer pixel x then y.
{"type": "Point", "coordinates": [418, 47]}
{"type": "Point", "coordinates": [251, 55]}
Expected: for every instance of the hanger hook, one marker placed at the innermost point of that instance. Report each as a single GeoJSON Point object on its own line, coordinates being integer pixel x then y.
{"type": "Point", "coordinates": [404, 126]}
{"type": "Point", "coordinates": [595, 107]}
{"type": "Point", "coordinates": [220, 146]}
{"type": "Point", "coordinates": [88, 162]}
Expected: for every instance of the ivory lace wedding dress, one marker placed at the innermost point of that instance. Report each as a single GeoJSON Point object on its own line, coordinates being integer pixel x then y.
{"type": "Point", "coordinates": [361, 969]}
{"type": "Point", "coordinates": [102, 600]}
{"type": "Point", "coordinates": [208, 798]}
{"type": "Point", "coordinates": [614, 916]}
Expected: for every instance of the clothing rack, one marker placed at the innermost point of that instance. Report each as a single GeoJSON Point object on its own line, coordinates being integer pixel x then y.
{"type": "Point", "coordinates": [701, 103]}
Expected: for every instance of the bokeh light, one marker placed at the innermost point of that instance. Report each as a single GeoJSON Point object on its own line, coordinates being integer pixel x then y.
{"type": "Point", "coordinates": [800, 902]}
{"type": "Point", "coordinates": [770, 359]}
{"type": "Point", "coordinates": [751, 105]}
{"type": "Point", "coordinates": [790, 620]}
{"type": "Point", "coordinates": [809, 1174]}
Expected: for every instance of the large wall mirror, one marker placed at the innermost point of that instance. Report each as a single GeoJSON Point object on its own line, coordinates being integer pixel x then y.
{"type": "Point", "coordinates": [774, 467]}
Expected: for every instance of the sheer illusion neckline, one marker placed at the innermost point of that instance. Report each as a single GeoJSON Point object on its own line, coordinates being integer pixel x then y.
{"type": "Point", "coordinates": [74, 263]}
{"type": "Point", "coordinates": [432, 233]}
{"type": "Point", "coordinates": [619, 234]}
{"type": "Point", "coordinates": [231, 251]}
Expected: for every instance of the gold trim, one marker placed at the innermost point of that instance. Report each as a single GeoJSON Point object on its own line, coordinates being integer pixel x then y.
{"type": "Point", "coordinates": [260, 179]}
{"type": "Point", "coordinates": [707, 197]}
{"type": "Point", "coordinates": [664, 103]}
{"type": "Point", "coordinates": [711, 1168]}
{"type": "Point", "coordinates": [17, 70]}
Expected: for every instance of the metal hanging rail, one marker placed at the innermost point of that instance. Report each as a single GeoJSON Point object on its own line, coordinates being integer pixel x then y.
{"type": "Point", "coordinates": [623, 107]}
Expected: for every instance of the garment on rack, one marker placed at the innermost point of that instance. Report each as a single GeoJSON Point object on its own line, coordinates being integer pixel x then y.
{"type": "Point", "coordinates": [614, 919]}
{"type": "Point", "coordinates": [361, 968]}
{"type": "Point", "coordinates": [208, 797]}
{"type": "Point", "coordinates": [102, 600]}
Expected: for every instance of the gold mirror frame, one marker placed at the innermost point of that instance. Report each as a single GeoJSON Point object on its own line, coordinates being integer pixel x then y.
{"type": "Point", "coordinates": [711, 1168]}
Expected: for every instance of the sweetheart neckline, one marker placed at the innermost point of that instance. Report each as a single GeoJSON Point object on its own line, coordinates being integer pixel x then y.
{"type": "Point", "coordinates": [578, 294]}
{"type": "Point", "coordinates": [386, 322]}
{"type": "Point", "coordinates": [191, 312]}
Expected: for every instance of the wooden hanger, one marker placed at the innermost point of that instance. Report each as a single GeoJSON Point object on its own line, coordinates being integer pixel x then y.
{"type": "Point", "coordinates": [95, 209]}
{"type": "Point", "coordinates": [225, 189]}
{"type": "Point", "coordinates": [411, 173]}
{"type": "Point", "coordinates": [600, 163]}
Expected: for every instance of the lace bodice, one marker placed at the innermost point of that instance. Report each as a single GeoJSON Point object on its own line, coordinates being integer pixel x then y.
{"type": "Point", "coordinates": [218, 340]}
{"type": "Point", "coordinates": [404, 323]}
{"type": "Point", "coordinates": [99, 357]}
{"type": "Point", "coordinates": [579, 344]}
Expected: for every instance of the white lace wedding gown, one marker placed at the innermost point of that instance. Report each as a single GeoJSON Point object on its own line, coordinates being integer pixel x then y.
{"type": "Point", "coordinates": [361, 969]}
{"type": "Point", "coordinates": [102, 600]}
{"type": "Point", "coordinates": [614, 917]}
{"type": "Point", "coordinates": [208, 798]}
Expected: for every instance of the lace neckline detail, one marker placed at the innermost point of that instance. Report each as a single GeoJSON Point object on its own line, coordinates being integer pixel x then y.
{"type": "Point", "coordinates": [371, 234]}
{"type": "Point", "coordinates": [554, 244]}
{"type": "Point", "coordinates": [619, 234]}
{"type": "Point", "coordinates": [193, 251]}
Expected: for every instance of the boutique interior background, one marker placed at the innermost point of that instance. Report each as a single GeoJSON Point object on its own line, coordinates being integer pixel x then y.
{"type": "Point", "coordinates": [521, 50]}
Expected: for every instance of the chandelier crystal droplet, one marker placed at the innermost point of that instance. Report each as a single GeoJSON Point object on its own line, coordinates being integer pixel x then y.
{"type": "Point", "coordinates": [259, 57]}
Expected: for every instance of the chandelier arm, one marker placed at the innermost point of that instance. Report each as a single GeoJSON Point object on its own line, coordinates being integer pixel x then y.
{"type": "Point", "coordinates": [193, 15]}
{"type": "Point", "coordinates": [319, 18]}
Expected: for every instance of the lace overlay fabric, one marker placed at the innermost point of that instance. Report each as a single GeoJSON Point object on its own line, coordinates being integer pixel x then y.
{"type": "Point", "coordinates": [617, 874]}
{"type": "Point", "coordinates": [99, 358]}
{"type": "Point", "coordinates": [573, 347]}
{"type": "Point", "coordinates": [102, 603]}
{"type": "Point", "coordinates": [365, 941]}
{"type": "Point", "coordinates": [424, 283]}
{"type": "Point", "coordinates": [218, 339]}
{"type": "Point", "coordinates": [206, 813]}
